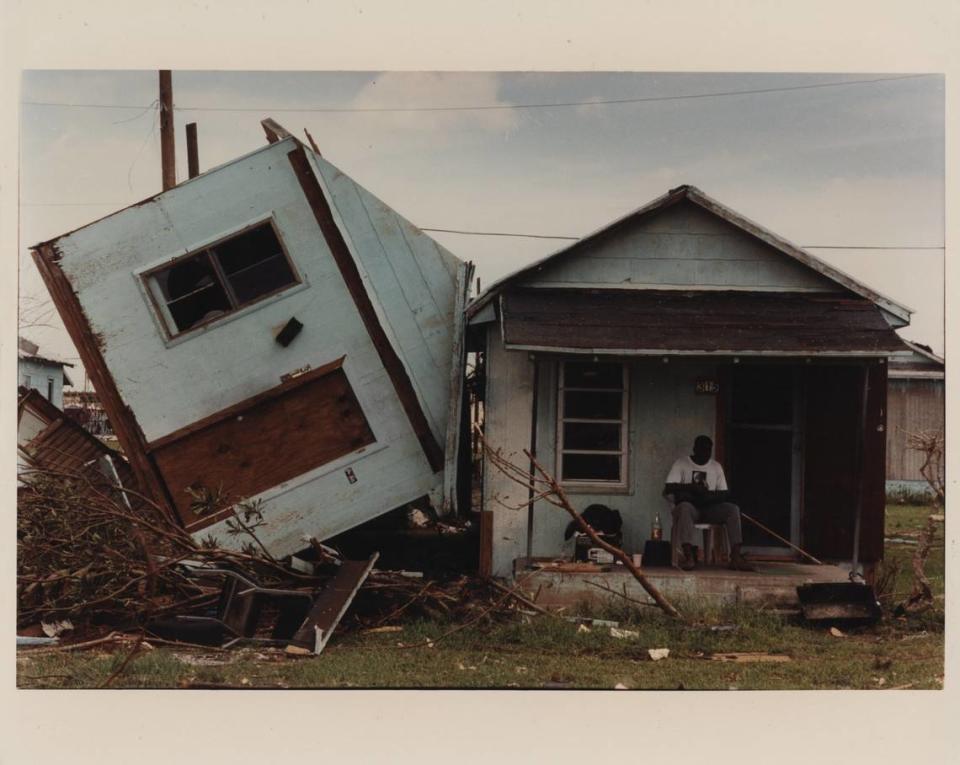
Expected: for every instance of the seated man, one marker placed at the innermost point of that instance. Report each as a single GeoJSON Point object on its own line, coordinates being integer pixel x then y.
{"type": "Point", "coordinates": [697, 487]}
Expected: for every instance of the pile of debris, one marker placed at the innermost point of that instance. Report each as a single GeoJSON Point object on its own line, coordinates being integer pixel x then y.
{"type": "Point", "coordinates": [105, 560]}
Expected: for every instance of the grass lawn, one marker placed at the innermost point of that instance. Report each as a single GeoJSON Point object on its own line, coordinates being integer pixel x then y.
{"type": "Point", "coordinates": [549, 652]}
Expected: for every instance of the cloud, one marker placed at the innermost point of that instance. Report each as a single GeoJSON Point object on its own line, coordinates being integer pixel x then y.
{"type": "Point", "coordinates": [437, 89]}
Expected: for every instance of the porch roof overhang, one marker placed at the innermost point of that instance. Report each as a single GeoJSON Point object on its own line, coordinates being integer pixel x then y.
{"type": "Point", "coordinates": [694, 323]}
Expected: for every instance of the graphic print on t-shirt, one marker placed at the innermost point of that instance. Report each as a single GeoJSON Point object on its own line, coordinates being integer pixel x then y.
{"type": "Point", "coordinates": [699, 478]}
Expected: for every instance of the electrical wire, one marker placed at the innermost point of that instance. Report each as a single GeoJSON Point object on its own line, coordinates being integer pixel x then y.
{"type": "Point", "coordinates": [489, 107]}
{"type": "Point", "coordinates": [465, 232]}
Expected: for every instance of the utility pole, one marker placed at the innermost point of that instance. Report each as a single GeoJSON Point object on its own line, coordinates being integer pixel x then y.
{"type": "Point", "coordinates": [168, 160]}
{"type": "Point", "coordinates": [193, 153]}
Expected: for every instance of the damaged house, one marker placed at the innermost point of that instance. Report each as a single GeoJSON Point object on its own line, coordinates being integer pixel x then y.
{"type": "Point", "coordinates": [269, 330]}
{"type": "Point", "coordinates": [606, 359]}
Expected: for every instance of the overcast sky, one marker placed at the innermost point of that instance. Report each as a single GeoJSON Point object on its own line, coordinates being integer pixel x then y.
{"type": "Point", "coordinates": [852, 165]}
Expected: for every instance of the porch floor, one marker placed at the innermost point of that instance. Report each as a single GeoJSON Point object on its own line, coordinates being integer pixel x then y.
{"type": "Point", "coordinates": [773, 584]}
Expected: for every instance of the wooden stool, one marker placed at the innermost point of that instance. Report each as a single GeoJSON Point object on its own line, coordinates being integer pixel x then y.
{"type": "Point", "coordinates": [715, 549]}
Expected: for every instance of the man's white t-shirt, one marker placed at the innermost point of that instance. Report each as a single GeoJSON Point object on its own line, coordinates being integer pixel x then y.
{"type": "Point", "coordinates": [710, 475]}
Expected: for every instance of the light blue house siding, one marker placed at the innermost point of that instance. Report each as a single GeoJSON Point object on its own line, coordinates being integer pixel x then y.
{"type": "Point", "coordinates": [171, 383]}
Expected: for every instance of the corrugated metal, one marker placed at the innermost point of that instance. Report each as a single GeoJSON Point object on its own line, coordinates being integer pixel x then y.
{"type": "Point", "coordinates": [64, 446]}
{"type": "Point", "coordinates": [709, 322]}
{"type": "Point", "coordinates": [912, 406]}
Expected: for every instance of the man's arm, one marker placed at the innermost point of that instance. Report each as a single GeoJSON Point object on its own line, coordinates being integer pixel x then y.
{"type": "Point", "coordinates": [682, 492]}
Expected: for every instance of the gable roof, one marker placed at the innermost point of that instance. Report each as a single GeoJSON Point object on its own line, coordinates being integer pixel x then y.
{"type": "Point", "coordinates": [898, 311]}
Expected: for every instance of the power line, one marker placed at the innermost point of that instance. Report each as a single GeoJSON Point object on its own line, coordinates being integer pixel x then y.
{"type": "Point", "coordinates": [487, 107]}
{"type": "Point", "coordinates": [499, 233]}
{"type": "Point", "coordinates": [577, 238]}
{"type": "Point", "coordinates": [464, 232]}
{"type": "Point", "coordinates": [868, 247]}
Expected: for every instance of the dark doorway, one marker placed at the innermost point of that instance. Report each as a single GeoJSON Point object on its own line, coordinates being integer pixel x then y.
{"type": "Point", "coordinates": [844, 461]}
{"type": "Point", "coordinates": [761, 434]}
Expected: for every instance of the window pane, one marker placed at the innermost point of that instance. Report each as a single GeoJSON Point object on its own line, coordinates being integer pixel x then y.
{"type": "Point", "coordinates": [261, 279]}
{"type": "Point", "coordinates": [591, 405]}
{"type": "Point", "coordinates": [590, 467]}
{"type": "Point", "coordinates": [254, 263]}
{"type": "Point", "coordinates": [192, 291]}
{"type": "Point", "coordinates": [591, 435]}
{"type": "Point", "coordinates": [584, 374]}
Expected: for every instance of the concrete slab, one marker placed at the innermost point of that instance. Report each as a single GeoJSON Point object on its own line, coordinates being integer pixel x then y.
{"type": "Point", "coordinates": [772, 585]}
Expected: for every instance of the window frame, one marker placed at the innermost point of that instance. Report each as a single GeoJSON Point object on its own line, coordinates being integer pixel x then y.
{"type": "Point", "coordinates": [151, 286]}
{"type": "Point", "coordinates": [624, 421]}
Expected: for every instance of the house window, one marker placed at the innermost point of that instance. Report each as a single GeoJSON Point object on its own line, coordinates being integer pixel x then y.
{"type": "Point", "coordinates": [27, 381]}
{"type": "Point", "coordinates": [592, 432]}
{"type": "Point", "coordinates": [221, 278]}
{"type": "Point", "coordinates": [49, 389]}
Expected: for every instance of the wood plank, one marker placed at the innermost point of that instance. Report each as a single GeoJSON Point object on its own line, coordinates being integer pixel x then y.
{"type": "Point", "coordinates": [351, 276]}
{"type": "Point", "coordinates": [486, 543]}
{"type": "Point", "coordinates": [330, 606]}
{"type": "Point", "coordinates": [241, 406]}
{"type": "Point", "coordinates": [125, 424]}
{"type": "Point", "coordinates": [279, 437]}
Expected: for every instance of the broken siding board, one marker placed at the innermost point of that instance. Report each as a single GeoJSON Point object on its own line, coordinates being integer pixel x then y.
{"type": "Point", "coordinates": [332, 603]}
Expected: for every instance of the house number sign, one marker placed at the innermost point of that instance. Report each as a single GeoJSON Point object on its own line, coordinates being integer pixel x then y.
{"type": "Point", "coordinates": [707, 387]}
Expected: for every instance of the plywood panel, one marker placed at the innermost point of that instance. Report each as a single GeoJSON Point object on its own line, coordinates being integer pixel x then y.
{"type": "Point", "coordinates": [267, 443]}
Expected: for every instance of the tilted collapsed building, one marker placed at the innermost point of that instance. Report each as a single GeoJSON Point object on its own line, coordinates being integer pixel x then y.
{"type": "Point", "coordinates": [272, 331]}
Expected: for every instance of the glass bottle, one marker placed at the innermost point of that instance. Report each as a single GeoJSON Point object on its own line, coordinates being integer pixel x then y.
{"type": "Point", "coordinates": [656, 531]}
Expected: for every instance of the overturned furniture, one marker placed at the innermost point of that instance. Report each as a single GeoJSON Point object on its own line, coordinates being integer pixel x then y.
{"type": "Point", "coordinates": [302, 620]}
{"type": "Point", "coordinates": [270, 331]}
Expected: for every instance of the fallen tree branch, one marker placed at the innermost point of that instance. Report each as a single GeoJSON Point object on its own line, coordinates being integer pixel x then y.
{"type": "Point", "coordinates": [556, 495]}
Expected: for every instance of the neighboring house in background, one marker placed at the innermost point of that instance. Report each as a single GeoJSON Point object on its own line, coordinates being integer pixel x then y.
{"type": "Point", "coordinates": [683, 318]}
{"type": "Point", "coordinates": [915, 403]}
{"type": "Point", "coordinates": [39, 373]}
{"type": "Point", "coordinates": [49, 440]}
{"type": "Point", "coordinates": [84, 407]}
{"type": "Point", "coordinates": [271, 329]}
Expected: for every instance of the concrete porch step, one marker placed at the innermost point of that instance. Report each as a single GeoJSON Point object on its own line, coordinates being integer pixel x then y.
{"type": "Point", "coordinates": [772, 585]}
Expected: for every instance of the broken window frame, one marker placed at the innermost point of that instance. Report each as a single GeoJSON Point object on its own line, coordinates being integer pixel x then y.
{"type": "Point", "coordinates": [161, 304]}
{"type": "Point", "coordinates": [623, 421]}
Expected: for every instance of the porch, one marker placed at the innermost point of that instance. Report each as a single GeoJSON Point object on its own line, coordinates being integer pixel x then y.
{"type": "Point", "coordinates": [553, 584]}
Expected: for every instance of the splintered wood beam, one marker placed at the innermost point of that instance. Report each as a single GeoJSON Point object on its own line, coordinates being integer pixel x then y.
{"type": "Point", "coordinates": [313, 144]}
{"type": "Point", "coordinates": [274, 130]}
{"type": "Point", "coordinates": [330, 606]}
